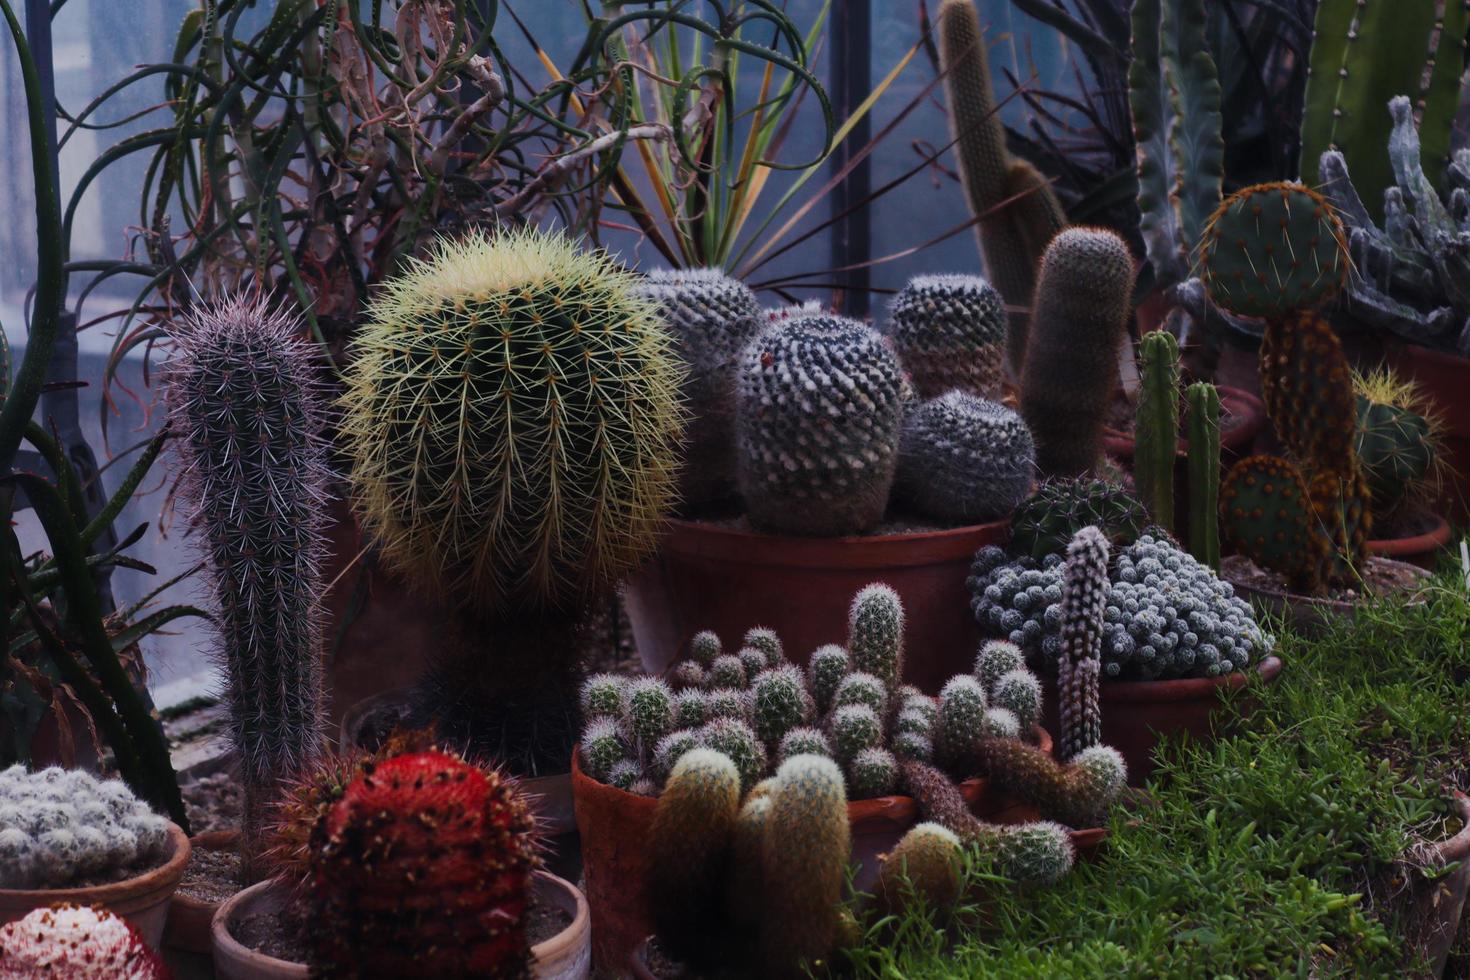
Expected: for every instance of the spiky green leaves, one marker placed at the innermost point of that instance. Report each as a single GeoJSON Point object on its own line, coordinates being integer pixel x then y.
{"type": "Point", "coordinates": [820, 409]}
{"type": "Point", "coordinates": [1270, 248]}
{"type": "Point", "coordinates": [875, 633]}
{"type": "Point", "coordinates": [950, 333]}
{"type": "Point", "coordinates": [512, 413]}
{"type": "Point", "coordinates": [964, 459]}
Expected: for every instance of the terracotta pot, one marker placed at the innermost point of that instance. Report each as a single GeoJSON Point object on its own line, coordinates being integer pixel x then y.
{"type": "Point", "coordinates": [565, 956]}
{"type": "Point", "coordinates": [614, 826]}
{"type": "Point", "coordinates": [1430, 911]}
{"type": "Point", "coordinates": [142, 900]}
{"type": "Point", "coordinates": [1446, 379]}
{"type": "Point", "coordinates": [1420, 549]}
{"type": "Point", "coordinates": [1137, 714]}
{"type": "Point", "coordinates": [187, 929]}
{"type": "Point", "coordinates": [1308, 615]}
{"type": "Point", "coordinates": [709, 577]}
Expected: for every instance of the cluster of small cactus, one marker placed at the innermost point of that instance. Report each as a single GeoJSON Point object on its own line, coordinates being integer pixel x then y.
{"type": "Point", "coordinates": [422, 866]}
{"type": "Point", "coordinates": [712, 318]}
{"type": "Point", "coordinates": [1167, 615]}
{"type": "Point", "coordinates": [60, 826]}
{"type": "Point", "coordinates": [76, 942]}
{"type": "Point", "coordinates": [1278, 251]}
{"type": "Point", "coordinates": [248, 413]}
{"type": "Point", "coordinates": [964, 459]}
{"type": "Point", "coordinates": [756, 886]}
{"type": "Point", "coordinates": [1044, 522]}
{"type": "Point", "coordinates": [950, 332]}
{"type": "Point", "coordinates": [819, 415]}
{"type": "Point", "coordinates": [1078, 320]}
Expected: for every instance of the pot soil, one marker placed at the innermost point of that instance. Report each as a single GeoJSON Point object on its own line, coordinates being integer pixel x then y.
{"type": "Point", "coordinates": [251, 926]}
{"type": "Point", "coordinates": [1137, 714]}
{"type": "Point", "coordinates": [727, 578]}
{"type": "Point", "coordinates": [1445, 378]}
{"type": "Point", "coordinates": [210, 878]}
{"type": "Point", "coordinates": [1267, 592]}
{"type": "Point", "coordinates": [1417, 538]}
{"type": "Point", "coordinates": [614, 827]}
{"type": "Point", "coordinates": [142, 900]}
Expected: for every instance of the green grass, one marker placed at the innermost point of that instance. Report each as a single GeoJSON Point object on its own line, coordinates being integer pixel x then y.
{"type": "Point", "coordinates": [1265, 854]}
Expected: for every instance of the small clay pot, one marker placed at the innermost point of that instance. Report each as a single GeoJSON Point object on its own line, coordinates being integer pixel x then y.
{"type": "Point", "coordinates": [1419, 549]}
{"type": "Point", "coordinates": [1430, 909]}
{"type": "Point", "coordinates": [1309, 615]}
{"type": "Point", "coordinates": [711, 577]}
{"type": "Point", "coordinates": [187, 929]}
{"type": "Point", "coordinates": [565, 956]}
{"type": "Point", "coordinates": [1136, 714]}
{"type": "Point", "coordinates": [142, 900]}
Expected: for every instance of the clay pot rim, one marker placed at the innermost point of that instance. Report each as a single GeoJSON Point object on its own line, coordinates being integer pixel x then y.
{"type": "Point", "coordinates": [580, 917]}
{"type": "Point", "coordinates": [1329, 605]}
{"type": "Point", "coordinates": [1456, 847]}
{"type": "Point", "coordinates": [708, 539]}
{"type": "Point", "coordinates": [163, 877]}
{"type": "Point", "coordinates": [1430, 541]}
{"type": "Point", "coordinates": [210, 840]}
{"type": "Point", "coordinates": [1185, 688]}
{"type": "Point", "coordinates": [1251, 408]}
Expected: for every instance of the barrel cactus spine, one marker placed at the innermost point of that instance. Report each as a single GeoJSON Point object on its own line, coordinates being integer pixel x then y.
{"type": "Point", "coordinates": [964, 460]}
{"type": "Point", "coordinates": [819, 417]}
{"type": "Point", "coordinates": [248, 410]}
{"type": "Point", "coordinates": [950, 333]}
{"type": "Point", "coordinates": [711, 317]}
{"type": "Point", "coordinates": [1203, 419]}
{"type": "Point", "coordinates": [515, 332]}
{"type": "Point", "coordinates": [1156, 426]}
{"type": "Point", "coordinates": [1400, 441]}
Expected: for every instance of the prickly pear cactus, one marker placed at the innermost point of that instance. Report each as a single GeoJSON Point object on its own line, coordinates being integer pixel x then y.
{"type": "Point", "coordinates": [950, 333]}
{"type": "Point", "coordinates": [819, 416]}
{"type": "Point", "coordinates": [1272, 248]}
{"type": "Point", "coordinates": [964, 459]}
{"type": "Point", "coordinates": [1266, 514]}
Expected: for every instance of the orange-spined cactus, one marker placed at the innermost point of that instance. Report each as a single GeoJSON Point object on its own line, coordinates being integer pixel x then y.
{"type": "Point", "coordinates": [423, 868]}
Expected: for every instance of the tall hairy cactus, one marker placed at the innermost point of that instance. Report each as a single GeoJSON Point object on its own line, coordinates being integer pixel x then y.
{"type": "Point", "coordinates": [1083, 301]}
{"type": "Point", "coordinates": [513, 418]}
{"type": "Point", "coordinates": [1203, 419]}
{"type": "Point", "coordinates": [712, 317]}
{"type": "Point", "coordinates": [950, 332]}
{"type": "Point", "coordinates": [819, 417]}
{"type": "Point", "coordinates": [964, 459]}
{"type": "Point", "coordinates": [248, 410]}
{"type": "Point", "coordinates": [1012, 236]}
{"type": "Point", "coordinates": [1156, 426]}
{"type": "Point", "coordinates": [1365, 52]}
{"type": "Point", "coordinates": [1084, 598]}
{"type": "Point", "coordinates": [422, 867]}
{"type": "Point", "coordinates": [76, 942]}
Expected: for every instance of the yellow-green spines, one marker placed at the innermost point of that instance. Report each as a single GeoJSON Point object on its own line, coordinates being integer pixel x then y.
{"type": "Point", "coordinates": [1083, 302]}
{"type": "Point", "coordinates": [688, 853]}
{"type": "Point", "coordinates": [927, 864]}
{"type": "Point", "coordinates": [513, 418]}
{"type": "Point", "coordinates": [1398, 449]}
{"type": "Point", "coordinates": [1156, 425]}
{"type": "Point", "coordinates": [1270, 248]}
{"type": "Point", "coordinates": [875, 633]}
{"type": "Point", "coordinates": [804, 860]}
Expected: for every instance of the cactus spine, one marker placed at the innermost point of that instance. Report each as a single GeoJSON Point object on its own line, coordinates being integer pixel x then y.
{"type": "Point", "coordinates": [1203, 419]}
{"type": "Point", "coordinates": [875, 633]}
{"type": "Point", "coordinates": [1084, 596]}
{"type": "Point", "coordinates": [950, 333]}
{"type": "Point", "coordinates": [964, 459]}
{"type": "Point", "coordinates": [1011, 237]}
{"type": "Point", "coordinates": [245, 402]}
{"type": "Point", "coordinates": [1083, 300]}
{"type": "Point", "coordinates": [1156, 428]}
{"type": "Point", "coordinates": [928, 864]}
{"type": "Point", "coordinates": [76, 942]}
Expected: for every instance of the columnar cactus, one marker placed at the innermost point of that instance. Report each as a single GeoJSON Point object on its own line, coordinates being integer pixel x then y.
{"type": "Point", "coordinates": [1083, 301]}
{"type": "Point", "coordinates": [248, 410]}
{"type": "Point", "coordinates": [1019, 212]}
{"type": "Point", "coordinates": [804, 860]}
{"type": "Point", "coordinates": [961, 724]}
{"type": "Point", "coordinates": [860, 688]}
{"type": "Point", "coordinates": [875, 633]}
{"type": "Point", "coordinates": [820, 411]}
{"type": "Point", "coordinates": [852, 728]}
{"type": "Point", "coordinates": [950, 333]}
{"type": "Point", "coordinates": [1045, 522]}
{"type": "Point", "coordinates": [650, 709]}
{"type": "Point", "coordinates": [1019, 692]}
{"type": "Point", "coordinates": [1266, 514]}
{"type": "Point", "coordinates": [512, 413]}
{"type": "Point", "coordinates": [688, 848]}
{"type": "Point", "coordinates": [712, 317]}
{"type": "Point", "coordinates": [996, 659]}
{"type": "Point", "coordinates": [1203, 401]}
{"type": "Point", "coordinates": [1156, 426]}
{"type": "Point", "coordinates": [76, 942]}
{"type": "Point", "coordinates": [1084, 598]}
{"type": "Point", "coordinates": [423, 867]}
{"type": "Point", "coordinates": [964, 459]}
{"type": "Point", "coordinates": [58, 826]}
{"type": "Point", "coordinates": [604, 744]}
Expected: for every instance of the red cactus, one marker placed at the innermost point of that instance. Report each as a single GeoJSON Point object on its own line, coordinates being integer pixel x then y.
{"type": "Point", "coordinates": [78, 942]}
{"type": "Point", "coordinates": [423, 868]}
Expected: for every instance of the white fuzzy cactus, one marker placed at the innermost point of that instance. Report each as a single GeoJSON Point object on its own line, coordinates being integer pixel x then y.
{"type": "Point", "coordinates": [78, 943]}
{"type": "Point", "coordinates": [59, 826]}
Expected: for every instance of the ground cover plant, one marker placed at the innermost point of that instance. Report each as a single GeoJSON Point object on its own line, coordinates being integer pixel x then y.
{"type": "Point", "coordinates": [1268, 854]}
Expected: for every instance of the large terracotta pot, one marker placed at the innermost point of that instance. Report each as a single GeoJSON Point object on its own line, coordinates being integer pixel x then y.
{"type": "Point", "coordinates": [187, 929]}
{"type": "Point", "coordinates": [1420, 549]}
{"type": "Point", "coordinates": [709, 577]}
{"type": "Point", "coordinates": [565, 956]}
{"type": "Point", "coordinates": [1137, 714]}
{"type": "Point", "coordinates": [1446, 379]}
{"type": "Point", "coordinates": [142, 900]}
{"type": "Point", "coordinates": [1430, 909]}
{"type": "Point", "coordinates": [615, 824]}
